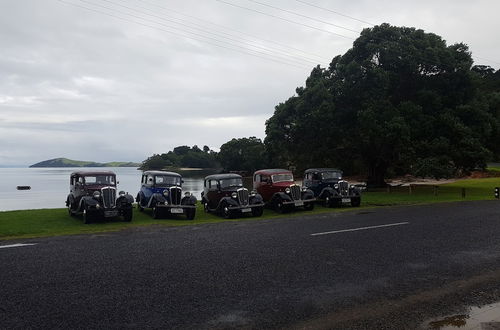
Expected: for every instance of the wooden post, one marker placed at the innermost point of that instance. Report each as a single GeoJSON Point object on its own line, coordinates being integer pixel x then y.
{"type": "Point", "coordinates": [463, 192]}
{"type": "Point", "coordinates": [409, 188]}
{"type": "Point", "coordinates": [389, 190]}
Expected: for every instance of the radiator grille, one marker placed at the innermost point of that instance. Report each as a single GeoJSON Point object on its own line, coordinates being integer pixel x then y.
{"type": "Point", "coordinates": [108, 197]}
{"type": "Point", "coordinates": [295, 192]}
{"type": "Point", "coordinates": [343, 188]}
{"type": "Point", "coordinates": [243, 196]}
{"type": "Point", "coordinates": [175, 195]}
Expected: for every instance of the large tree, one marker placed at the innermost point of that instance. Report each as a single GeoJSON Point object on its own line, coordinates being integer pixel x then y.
{"type": "Point", "coordinates": [399, 101]}
{"type": "Point", "coordinates": [243, 154]}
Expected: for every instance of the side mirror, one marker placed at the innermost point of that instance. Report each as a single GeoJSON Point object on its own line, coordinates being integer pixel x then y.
{"type": "Point", "coordinates": [117, 182]}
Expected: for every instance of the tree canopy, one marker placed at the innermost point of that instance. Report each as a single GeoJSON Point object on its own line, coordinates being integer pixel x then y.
{"type": "Point", "coordinates": [244, 154]}
{"type": "Point", "coordinates": [399, 101]}
{"type": "Point", "coordinates": [182, 156]}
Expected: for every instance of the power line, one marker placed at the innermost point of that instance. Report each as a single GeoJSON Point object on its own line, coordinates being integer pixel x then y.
{"type": "Point", "coordinates": [218, 33]}
{"type": "Point", "coordinates": [193, 33]}
{"type": "Point", "coordinates": [285, 19]}
{"type": "Point", "coordinates": [335, 12]}
{"type": "Point", "coordinates": [274, 42]}
{"type": "Point", "coordinates": [301, 15]}
{"type": "Point", "coordinates": [180, 35]}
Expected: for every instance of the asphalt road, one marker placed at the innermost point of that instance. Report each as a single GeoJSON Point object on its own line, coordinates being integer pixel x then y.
{"type": "Point", "coordinates": [260, 274]}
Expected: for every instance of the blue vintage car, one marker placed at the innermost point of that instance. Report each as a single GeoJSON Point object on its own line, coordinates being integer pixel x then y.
{"type": "Point", "coordinates": [330, 189]}
{"type": "Point", "coordinates": [162, 192]}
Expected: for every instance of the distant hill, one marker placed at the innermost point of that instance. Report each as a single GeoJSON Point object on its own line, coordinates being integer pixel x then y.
{"type": "Point", "coordinates": [65, 162]}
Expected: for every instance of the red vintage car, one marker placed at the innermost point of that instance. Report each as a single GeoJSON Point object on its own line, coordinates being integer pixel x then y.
{"type": "Point", "coordinates": [279, 190]}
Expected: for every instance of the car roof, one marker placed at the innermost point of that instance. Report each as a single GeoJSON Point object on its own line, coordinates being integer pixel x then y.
{"type": "Point", "coordinates": [223, 176]}
{"type": "Point", "coordinates": [89, 173]}
{"type": "Point", "coordinates": [161, 173]}
{"type": "Point", "coordinates": [272, 171]}
{"type": "Point", "coordinates": [322, 169]}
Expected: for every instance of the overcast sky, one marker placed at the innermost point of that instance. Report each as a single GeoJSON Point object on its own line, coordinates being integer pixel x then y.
{"type": "Point", "coordinates": [119, 80]}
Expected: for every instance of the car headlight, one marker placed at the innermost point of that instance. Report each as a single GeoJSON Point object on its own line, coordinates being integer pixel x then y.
{"type": "Point", "coordinates": [287, 190]}
{"type": "Point", "coordinates": [96, 194]}
{"type": "Point", "coordinates": [253, 193]}
{"type": "Point", "coordinates": [352, 186]}
{"type": "Point", "coordinates": [234, 195]}
{"type": "Point", "coordinates": [165, 192]}
{"type": "Point", "coordinates": [121, 193]}
{"type": "Point", "coordinates": [336, 186]}
{"type": "Point", "coordinates": [304, 189]}
{"type": "Point", "coordinates": [187, 194]}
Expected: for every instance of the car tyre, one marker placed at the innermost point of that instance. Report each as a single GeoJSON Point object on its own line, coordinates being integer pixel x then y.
{"type": "Point", "coordinates": [190, 214]}
{"type": "Point", "coordinates": [328, 200]}
{"type": "Point", "coordinates": [127, 215]}
{"type": "Point", "coordinates": [278, 205]}
{"type": "Point", "coordinates": [309, 206]}
{"type": "Point", "coordinates": [87, 218]}
{"type": "Point", "coordinates": [156, 212]}
{"type": "Point", "coordinates": [355, 201]}
{"type": "Point", "coordinates": [257, 211]}
{"type": "Point", "coordinates": [226, 212]}
{"type": "Point", "coordinates": [70, 209]}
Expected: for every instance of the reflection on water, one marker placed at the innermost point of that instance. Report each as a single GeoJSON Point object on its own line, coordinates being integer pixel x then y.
{"type": "Point", "coordinates": [480, 318]}
{"type": "Point", "coordinates": [50, 186]}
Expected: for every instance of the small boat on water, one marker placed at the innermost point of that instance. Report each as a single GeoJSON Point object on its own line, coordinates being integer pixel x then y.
{"type": "Point", "coordinates": [23, 187]}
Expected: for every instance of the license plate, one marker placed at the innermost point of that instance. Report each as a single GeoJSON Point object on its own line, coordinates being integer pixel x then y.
{"type": "Point", "coordinates": [110, 213]}
{"type": "Point", "coordinates": [299, 203]}
{"type": "Point", "coordinates": [246, 210]}
{"type": "Point", "coordinates": [176, 210]}
{"type": "Point", "coordinates": [346, 200]}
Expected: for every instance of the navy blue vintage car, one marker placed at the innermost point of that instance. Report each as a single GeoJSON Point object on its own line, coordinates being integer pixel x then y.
{"type": "Point", "coordinates": [330, 189]}
{"type": "Point", "coordinates": [162, 192]}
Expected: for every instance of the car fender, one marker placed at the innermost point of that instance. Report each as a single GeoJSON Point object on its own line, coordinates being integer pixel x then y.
{"type": "Point", "coordinates": [69, 199]}
{"type": "Point", "coordinates": [88, 200]}
{"type": "Point", "coordinates": [257, 199]}
{"type": "Point", "coordinates": [158, 198]}
{"type": "Point", "coordinates": [327, 190]}
{"type": "Point", "coordinates": [228, 200]}
{"type": "Point", "coordinates": [281, 195]}
{"type": "Point", "coordinates": [308, 194]}
{"type": "Point", "coordinates": [127, 199]}
{"type": "Point", "coordinates": [189, 200]}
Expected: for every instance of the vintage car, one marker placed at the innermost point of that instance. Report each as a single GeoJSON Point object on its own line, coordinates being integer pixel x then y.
{"type": "Point", "coordinates": [225, 194]}
{"type": "Point", "coordinates": [162, 192]}
{"type": "Point", "coordinates": [279, 190]}
{"type": "Point", "coordinates": [93, 194]}
{"type": "Point", "coordinates": [330, 189]}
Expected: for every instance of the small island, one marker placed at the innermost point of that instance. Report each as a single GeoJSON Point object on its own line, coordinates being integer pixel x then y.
{"type": "Point", "coordinates": [65, 162]}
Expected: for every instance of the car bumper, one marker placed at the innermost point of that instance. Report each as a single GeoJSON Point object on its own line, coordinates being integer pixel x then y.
{"type": "Point", "coordinates": [300, 202]}
{"type": "Point", "coordinates": [245, 208]}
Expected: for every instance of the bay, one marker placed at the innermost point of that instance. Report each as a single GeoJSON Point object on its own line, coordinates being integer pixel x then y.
{"type": "Point", "coordinates": [50, 186]}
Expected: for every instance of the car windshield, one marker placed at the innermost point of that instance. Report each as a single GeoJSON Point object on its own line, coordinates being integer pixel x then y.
{"type": "Point", "coordinates": [167, 180]}
{"type": "Point", "coordinates": [100, 179]}
{"type": "Point", "coordinates": [331, 175]}
{"type": "Point", "coordinates": [285, 177]}
{"type": "Point", "coordinates": [233, 182]}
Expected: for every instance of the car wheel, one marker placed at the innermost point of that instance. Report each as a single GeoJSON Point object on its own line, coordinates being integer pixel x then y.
{"type": "Point", "coordinates": [226, 212]}
{"type": "Point", "coordinates": [356, 201]}
{"type": "Point", "coordinates": [257, 211]}
{"type": "Point", "coordinates": [86, 215]}
{"type": "Point", "coordinates": [127, 215]}
{"type": "Point", "coordinates": [278, 205]}
{"type": "Point", "coordinates": [328, 200]}
{"type": "Point", "coordinates": [70, 209]}
{"type": "Point", "coordinates": [190, 213]}
{"type": "Point", "coordinates": [309, 206]}
{"type": "Point", "coordinates": [156, 212]}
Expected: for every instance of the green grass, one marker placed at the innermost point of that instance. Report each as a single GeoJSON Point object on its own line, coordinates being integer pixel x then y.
{"type": "Point", "coordinates": [55, 222]}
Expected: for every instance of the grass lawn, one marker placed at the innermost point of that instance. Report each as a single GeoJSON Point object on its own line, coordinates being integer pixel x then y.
{"type": "Point", "coordinates": [55, 222]}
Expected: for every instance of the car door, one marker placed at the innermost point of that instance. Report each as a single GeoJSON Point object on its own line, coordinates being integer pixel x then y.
{"type": "Point", "coordinates": [213, 195]}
